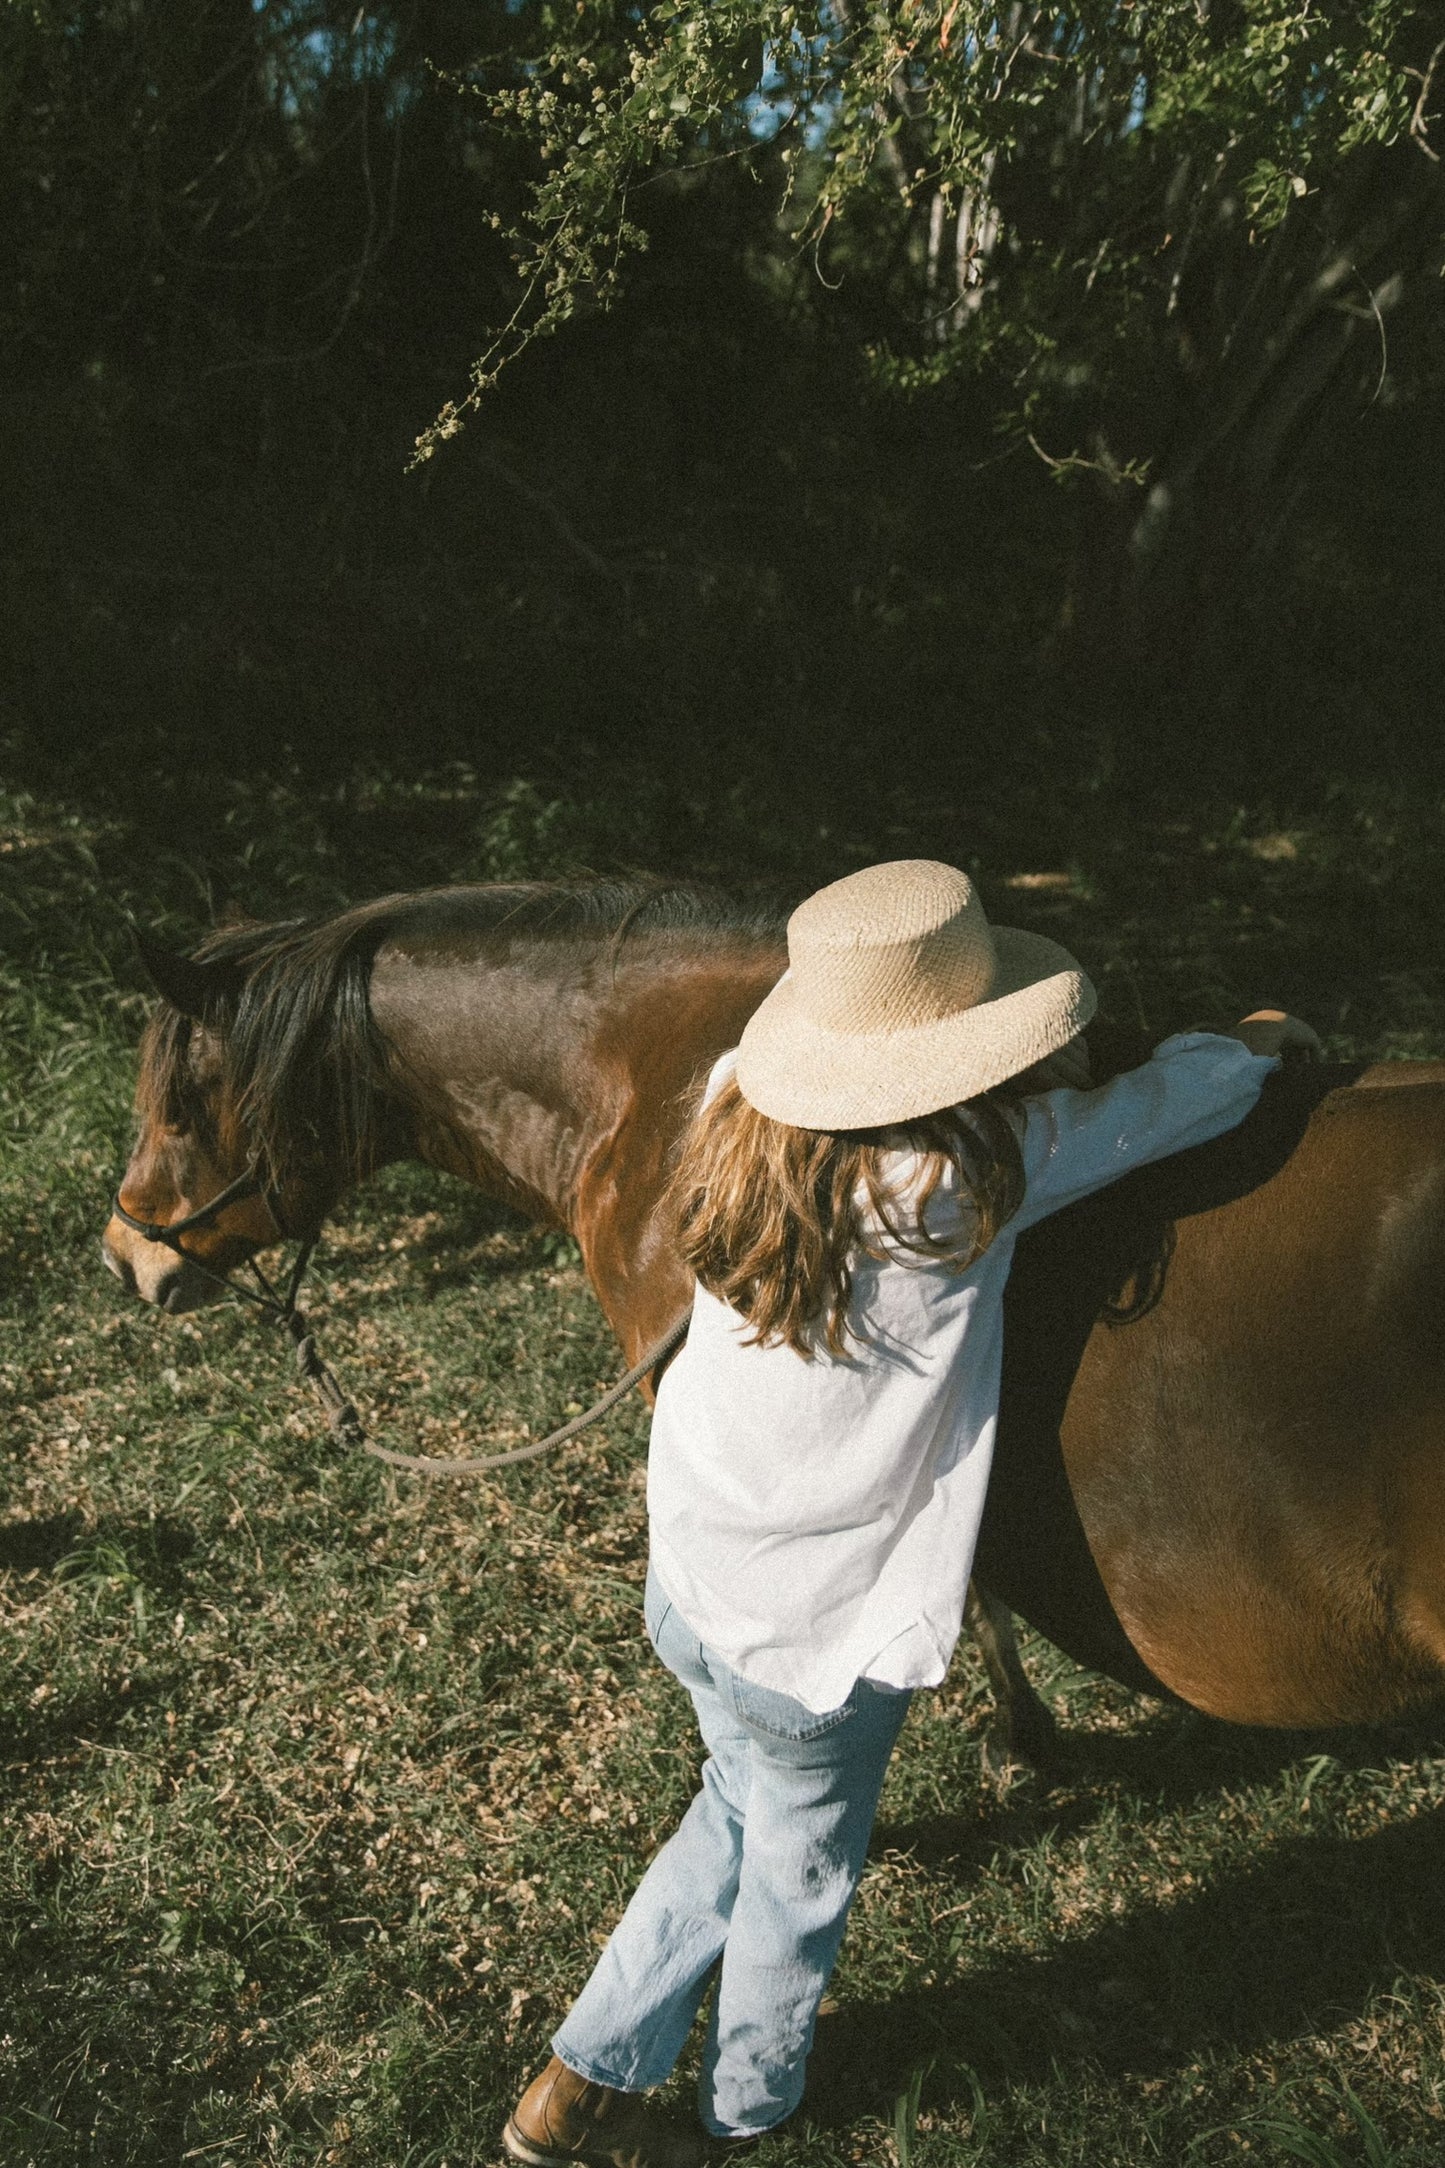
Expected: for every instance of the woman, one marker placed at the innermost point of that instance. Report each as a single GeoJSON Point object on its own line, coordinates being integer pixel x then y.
{"type": "Point", "coordinates": [849, 1195]}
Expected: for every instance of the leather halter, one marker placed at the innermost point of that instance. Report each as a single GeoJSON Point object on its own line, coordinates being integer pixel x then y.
{"type": "Point", "coordinates": [249, 1183]}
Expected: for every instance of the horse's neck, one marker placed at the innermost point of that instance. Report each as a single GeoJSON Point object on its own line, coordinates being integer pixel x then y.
{"type": "Point", "coordinates": [490, 1066]}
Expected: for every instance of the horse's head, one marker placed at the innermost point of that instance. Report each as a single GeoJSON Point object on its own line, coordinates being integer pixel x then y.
{"type": "Point", "coordinates": [197, 1146]}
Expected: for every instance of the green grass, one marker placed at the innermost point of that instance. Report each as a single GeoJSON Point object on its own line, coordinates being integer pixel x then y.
{"type": "Point", "coordinates": [323, 1785]}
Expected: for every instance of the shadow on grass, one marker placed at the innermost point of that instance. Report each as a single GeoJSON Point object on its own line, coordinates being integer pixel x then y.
{"type": "Point", "coordinates": [1175, 1760]}
{"type": "Point", "coordinates": [117, 1560]}
{"type": "Point", "coordinates": [93, 1717]}
{"type": "Point", "coordinates": [152, 1549]}
{"type": "Point", "coordinates": [38, 1546]}
{"type": "Point", "coordinates": [1287, 1949]}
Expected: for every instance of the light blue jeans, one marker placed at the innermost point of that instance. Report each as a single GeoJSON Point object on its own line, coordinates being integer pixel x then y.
{"type": "Point", "coordinates": [761, 1873]}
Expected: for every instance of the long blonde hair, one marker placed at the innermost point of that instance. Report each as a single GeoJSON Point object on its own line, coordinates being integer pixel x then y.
{"type": "Point", "coordinates": [771, 1217]}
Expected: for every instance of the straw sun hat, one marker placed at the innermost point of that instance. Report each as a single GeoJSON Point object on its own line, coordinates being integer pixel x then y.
{"type": "Point", "coordinates": [900, 998]}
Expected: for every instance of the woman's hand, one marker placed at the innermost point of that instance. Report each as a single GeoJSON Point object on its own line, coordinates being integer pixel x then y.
{"type": "Point", "coordinates": [1274, 1031]}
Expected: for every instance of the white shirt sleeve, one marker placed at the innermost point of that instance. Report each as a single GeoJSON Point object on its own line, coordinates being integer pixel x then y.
{"type": "Point", "coordinates": [723, 1070]}
{"type": "Point", "coordinates": [1193, 1087]}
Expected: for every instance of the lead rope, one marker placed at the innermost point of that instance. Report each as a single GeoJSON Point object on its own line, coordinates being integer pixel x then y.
{"type": "Point", "coordinates": [337, 1405]}
{"type": "Point", "coordinates": [345, 1424]}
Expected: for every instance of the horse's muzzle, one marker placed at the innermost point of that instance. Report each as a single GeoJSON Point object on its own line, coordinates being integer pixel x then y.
{"type": "Point", "coordinates": [160, 1277]}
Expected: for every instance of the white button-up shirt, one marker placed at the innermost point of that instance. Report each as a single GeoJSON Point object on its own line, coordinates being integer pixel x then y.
{"type": "Point", "coordinates": [814, 1517]}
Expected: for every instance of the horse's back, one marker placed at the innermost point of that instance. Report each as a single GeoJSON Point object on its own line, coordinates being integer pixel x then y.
{"type": "Point", "coordinates": [1245, 1470]}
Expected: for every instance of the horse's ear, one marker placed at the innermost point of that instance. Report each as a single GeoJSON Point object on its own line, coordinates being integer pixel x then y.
{"type": "Point", "coordinates": [197, 988]}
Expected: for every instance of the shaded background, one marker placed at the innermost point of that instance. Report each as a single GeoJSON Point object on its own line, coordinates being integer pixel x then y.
{"type": "Point", "coordinates": [784, 562]}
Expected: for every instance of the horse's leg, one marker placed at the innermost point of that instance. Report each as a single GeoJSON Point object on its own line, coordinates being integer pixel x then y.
{"type": "Point", "coordinates": [1022, 1733]}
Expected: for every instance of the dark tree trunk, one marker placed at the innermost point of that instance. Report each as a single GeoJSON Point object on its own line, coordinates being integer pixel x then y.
{"type": "Point", "coordinates": [1281, 346]}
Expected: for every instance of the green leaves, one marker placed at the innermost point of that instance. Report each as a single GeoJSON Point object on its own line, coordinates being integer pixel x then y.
{"type": "Point", "coordinates": [988, 186]}
{"type": "Point", "coordinates": [602, 114]}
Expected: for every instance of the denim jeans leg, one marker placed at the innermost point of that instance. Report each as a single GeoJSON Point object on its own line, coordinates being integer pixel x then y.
{"type": "Point", "coordinates": [628, 2026]}
{"type": "Point", "coordinates": [762, 1871]}
{"type": "Point", "coordinates": [810, 1811]}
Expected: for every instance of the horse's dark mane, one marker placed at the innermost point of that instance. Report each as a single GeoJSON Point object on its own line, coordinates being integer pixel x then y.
{"type": "Point", "coordinates": [303, 1069]}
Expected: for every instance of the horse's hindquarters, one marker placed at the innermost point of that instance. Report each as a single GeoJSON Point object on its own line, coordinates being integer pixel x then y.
{"type": "Point", "coordinates": [1259, 1458]}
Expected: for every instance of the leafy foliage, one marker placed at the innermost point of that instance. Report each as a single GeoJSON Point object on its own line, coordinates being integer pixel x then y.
{"type": "Point", "coordinates": [1162, 256]}
{"type": "Point", "coordinates": [1066, 202]}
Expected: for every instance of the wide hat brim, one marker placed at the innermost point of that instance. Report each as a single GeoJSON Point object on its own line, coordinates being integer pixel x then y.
{"type": "Point", "coordinates": [796, 1070]}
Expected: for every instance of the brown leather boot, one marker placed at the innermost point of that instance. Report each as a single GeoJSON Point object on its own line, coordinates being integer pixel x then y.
{"type": "Point", "coordinates": [562, 2119]}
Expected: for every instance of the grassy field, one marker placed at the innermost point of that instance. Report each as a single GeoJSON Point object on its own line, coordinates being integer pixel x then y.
{"type": "Point", "coordinates": [322, 1786]}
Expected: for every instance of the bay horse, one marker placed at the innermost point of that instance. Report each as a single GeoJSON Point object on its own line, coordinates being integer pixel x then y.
{"type": "Point", "coordinates": [1220, 1471]}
